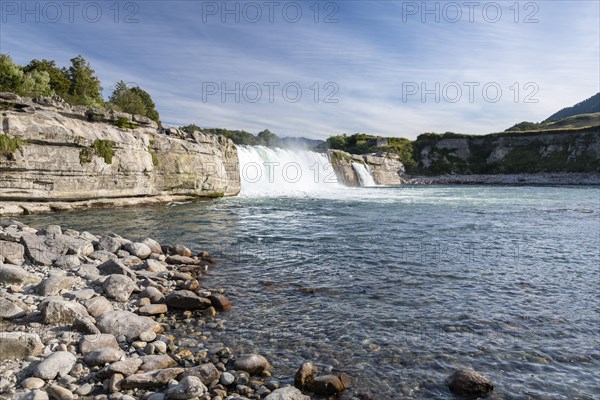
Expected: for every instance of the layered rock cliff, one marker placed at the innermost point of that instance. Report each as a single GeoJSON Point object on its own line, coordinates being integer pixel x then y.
{"type": "Point", "coordinates": [385, 168]}
{"type": "Point", "coordinates": [566, 150]}
{"type": "Point", "coordinates": [53, 152]}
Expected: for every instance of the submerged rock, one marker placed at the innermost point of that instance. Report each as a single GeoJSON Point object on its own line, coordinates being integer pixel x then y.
{"type": "Point", "coordinates": [468, 382]}
{"type": "Point", "coordinates": [305, 375]}
{"type": "Point", "coordinates": [220, 302]}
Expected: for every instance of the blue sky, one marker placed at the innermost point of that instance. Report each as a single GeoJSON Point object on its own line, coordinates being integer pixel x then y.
{"type": "Point", "coordinates": [370, 60]}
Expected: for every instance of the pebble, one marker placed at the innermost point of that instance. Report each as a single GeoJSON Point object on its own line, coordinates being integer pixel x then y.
{"type": "Point", "coordinates": [227, 378]}
{"type": "Point", "coordinates": [148, 336]}
{"type": "Point", "coordinates": [32, 383]}
{"type": "Point", "coordinates": [59, 393]}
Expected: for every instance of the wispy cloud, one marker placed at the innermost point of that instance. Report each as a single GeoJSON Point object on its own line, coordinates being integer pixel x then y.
{"type": "Point", "coordinates": [370, 54]}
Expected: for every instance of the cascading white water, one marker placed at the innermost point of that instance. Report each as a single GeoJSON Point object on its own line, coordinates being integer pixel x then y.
{"type": "Point", "coordinates": [266, 171]}
{"type": "Point", "coordinates": [364, 176]}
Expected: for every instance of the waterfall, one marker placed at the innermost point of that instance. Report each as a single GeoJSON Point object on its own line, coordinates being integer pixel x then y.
{"type": "Point", "coordinates": [266, 171]}
{"type": "Point", "coordinates": [364, 176]}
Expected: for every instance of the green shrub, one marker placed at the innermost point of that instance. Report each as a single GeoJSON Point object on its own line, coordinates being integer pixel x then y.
{"type": "Point", "coordinates": [104, 149]}
{"type": "Point", "coordinates": [124, 123]}
{"type": "Point", "coordinates": [9, 145]}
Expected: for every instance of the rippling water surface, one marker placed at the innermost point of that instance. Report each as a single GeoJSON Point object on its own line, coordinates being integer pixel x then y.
{"type": "Point", "coordinates": [400, 286]}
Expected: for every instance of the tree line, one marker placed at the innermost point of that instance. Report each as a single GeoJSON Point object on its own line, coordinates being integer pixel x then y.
{"type": "Point", "coordinates": [76, 85]}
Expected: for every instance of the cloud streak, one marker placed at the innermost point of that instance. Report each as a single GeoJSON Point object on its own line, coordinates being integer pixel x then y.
{"type": "Point", "coordinates": [371, 54]}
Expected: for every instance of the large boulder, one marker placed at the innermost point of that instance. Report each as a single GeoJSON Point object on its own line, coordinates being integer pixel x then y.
{"type": "Point", "coordinates": [43, 250]}
{"type": "Point", "coordinates": [98, 306]}
{"type": "Point", "coordinates": [118, 287]}
{"type": "Point", "coordinates": [207, 373]}
{"type": "Point", "coordinates": [90, 343]}
{"type": "Point", "coordinates": [18, 345]}
{"type": "Point", "coordinates": [54, 284]}
{"type": "Point", "coordinates": [186, 300]}
{"type": "Point", "coordinates": [14, 274]}
{"type": "Point", "coordinates": [114, 267]}
{"type": "Point", "coordinates": [327, 385]}
{"type": "Point", "coordinates": [11, 253]}
{"type": "Point", "coordinates": [153, 379]}
{"type": "Point", "coordinates": [103, 356]}
{"type": "Point", "coordinates": [251, 363]}
{"type": "Point", "coordinates": [466, 382]}
{"type": "Point", "coordinates": [127, 324]}
{"type": "Point", "coordinates": [139, 250]}
{"type": "Point", "coordinates": [56, 364]}
{"type": "Point", "coordinates": [67, 262]}
{"type": "Point", "coordinates": [9, 310]}
{"type": "Point", "coordinates": [189, 387]}
{"type": "Point", "coordinates": [109, 243]}
{"type": "Point", "coordinates": [154, 362]}
{"type": "Point", "coordinates": [56, 310]}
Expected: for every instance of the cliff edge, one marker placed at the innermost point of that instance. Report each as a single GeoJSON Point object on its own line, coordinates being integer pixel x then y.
{"type": "Point", "coordinates": [57, 156]}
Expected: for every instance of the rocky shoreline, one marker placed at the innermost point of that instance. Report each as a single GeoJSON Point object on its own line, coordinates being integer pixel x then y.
{"type": "Point", "coordinates": [571, 179]}
{"type": "Point", "coordinates": [93, 317]}
{"type": "Point", "coordinates": [87, 316]}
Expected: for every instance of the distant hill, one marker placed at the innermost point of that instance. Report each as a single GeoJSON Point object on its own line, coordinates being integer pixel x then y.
{"type": "Point", "coordinates": [589, 106]}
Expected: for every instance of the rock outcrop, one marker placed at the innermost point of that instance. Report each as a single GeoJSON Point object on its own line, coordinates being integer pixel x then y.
{"type": "Point", "coordinates": [385, 168]}
{"type": "Point", "coordinates": [64, 157]}
{"type": "Point", "coordinates": [558, 151]}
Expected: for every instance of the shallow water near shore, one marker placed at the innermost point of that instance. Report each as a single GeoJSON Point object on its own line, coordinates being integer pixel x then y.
{"type": "Point", "coordinates": [400, 286]}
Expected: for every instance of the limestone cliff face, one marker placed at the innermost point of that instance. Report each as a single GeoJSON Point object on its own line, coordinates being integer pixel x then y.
{"type": "Point", "coordinates": [385, 168]}
{"type": "Point", "coordinates": [576, 150]}
{"type": "Point", "coordinates": [64, 155]}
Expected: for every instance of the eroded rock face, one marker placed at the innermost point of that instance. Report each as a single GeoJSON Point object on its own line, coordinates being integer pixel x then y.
{"type": "Point", "coordinates": [59, 161]}
{"type": "Point", "coordinates": [385, 168]}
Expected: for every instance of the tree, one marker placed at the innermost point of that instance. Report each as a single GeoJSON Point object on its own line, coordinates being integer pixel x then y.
{"type": "Point", "coordinates": [59, 81]}
{"type": "Point", "coordinates": [126, 100]}
{"type": "Point", "coordinates": [134, 101]}
{"type": "Point", "coordinates": [268, 138]}
{"type": "Point", "coordinates": [85, 87]}
{"type": "Point", "coordinates": [337, 142]}
{"type": "Point", "coordinates": [148, 103]}
{"type": "Point", "coordinates": [11, 75]}
{"type": "Point", "coordinates": [36, 84]}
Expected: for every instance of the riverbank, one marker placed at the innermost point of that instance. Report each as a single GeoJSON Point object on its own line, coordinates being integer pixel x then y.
{"type": "Point", "coordinates": [571, 179]}
{"type": "Point", "coordinates": [87, 316]}
{"type": "Point", "coordinates": [12, 208]}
